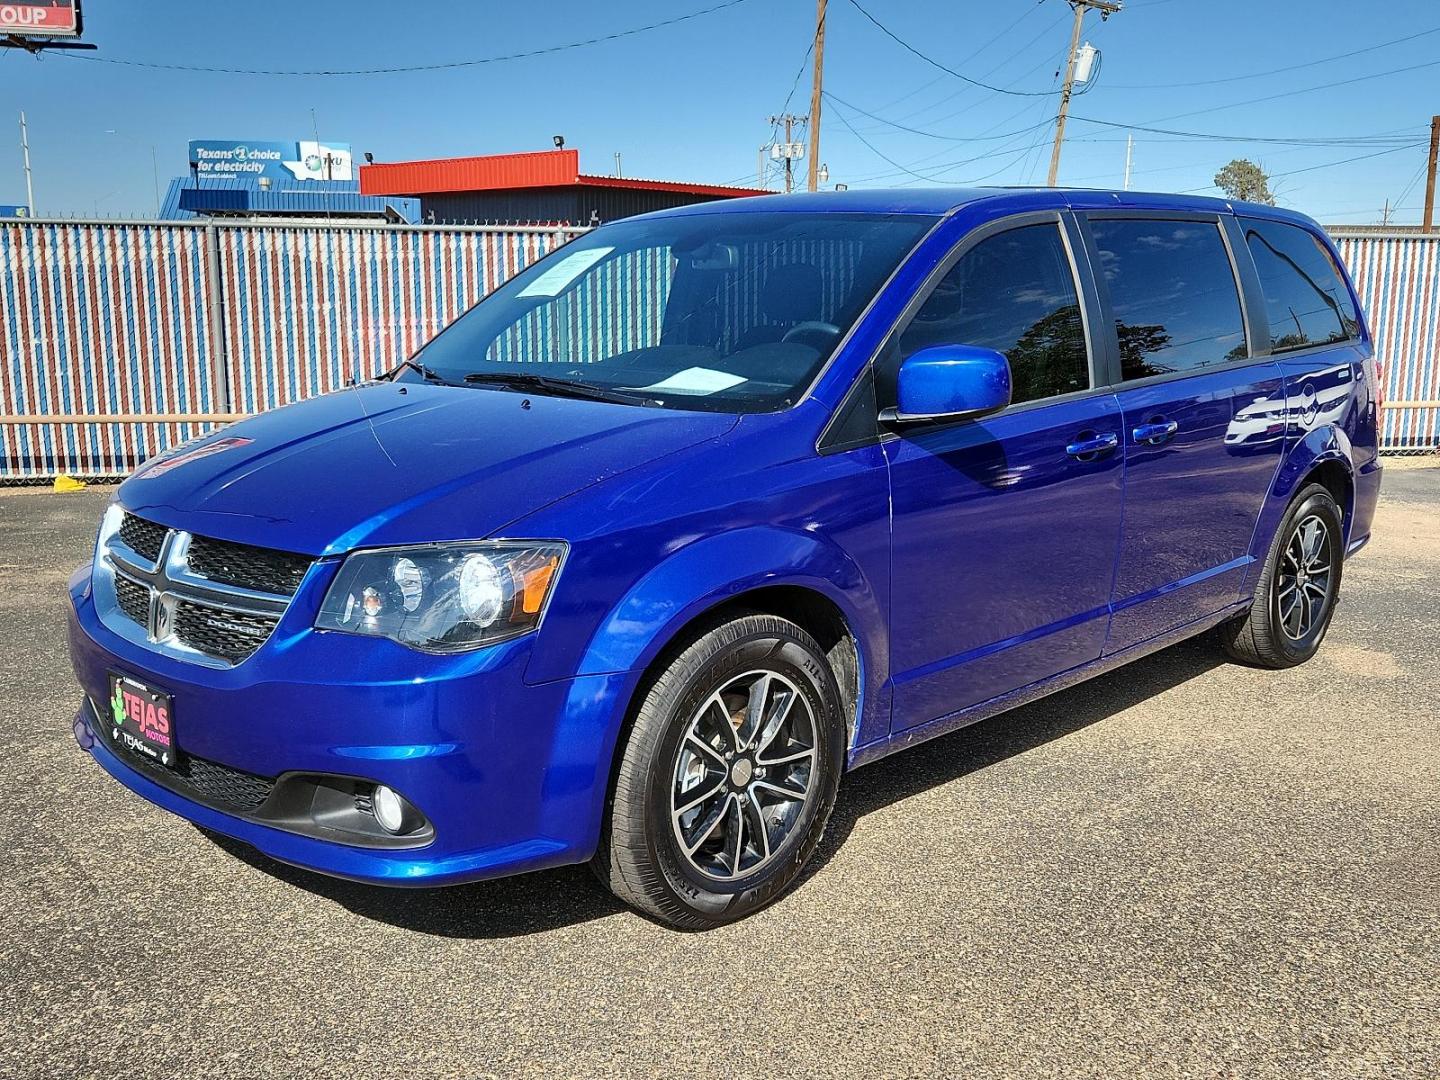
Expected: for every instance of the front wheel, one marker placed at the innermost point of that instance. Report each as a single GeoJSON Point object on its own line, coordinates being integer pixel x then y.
{"type": "Point", "coordinates": [1295, 596]}
{"type": "Point", "coordinates": [728, 776]}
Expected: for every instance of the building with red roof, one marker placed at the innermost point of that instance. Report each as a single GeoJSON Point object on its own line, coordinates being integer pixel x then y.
{"type": "Point", "coordinates": [546, 186]}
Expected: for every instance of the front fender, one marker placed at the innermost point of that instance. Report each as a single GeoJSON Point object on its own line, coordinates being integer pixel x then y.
{"type": "Point", "coordinates": [712, 570]}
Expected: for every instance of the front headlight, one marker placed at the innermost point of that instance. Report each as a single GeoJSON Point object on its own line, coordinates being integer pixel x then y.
{"type": "Point", "coordinates": [109, 526]}
{"type": "Point", "coordinates": [444, 597]}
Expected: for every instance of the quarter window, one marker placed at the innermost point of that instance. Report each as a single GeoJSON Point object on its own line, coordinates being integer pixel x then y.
{"type": "Point", "coordinates": [1306, 300]}
{"type": "Point", "coordinates": [1013, 292]}
{"type": "Point", "coordinates": [1176, 304]}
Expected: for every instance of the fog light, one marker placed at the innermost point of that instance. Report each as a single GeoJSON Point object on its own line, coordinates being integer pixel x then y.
{"type": "Point", "coordinates": [391, 811]}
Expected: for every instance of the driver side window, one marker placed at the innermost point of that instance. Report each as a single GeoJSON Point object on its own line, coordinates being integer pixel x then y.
{"type": "Point", "coordinates": [1013, 292]}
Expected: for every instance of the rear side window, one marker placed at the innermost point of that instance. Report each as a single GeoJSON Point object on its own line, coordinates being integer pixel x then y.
{"type": "Point", "coordinates": [1177, 307]}
{"type": "Point", "coordinates": [1305, 298]}
{"type": "Point", "coordinates": [1015, 293]}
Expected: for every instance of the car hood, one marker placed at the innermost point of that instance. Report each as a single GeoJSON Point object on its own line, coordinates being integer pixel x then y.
{"type": "Point", "coordinates": [396, 464]}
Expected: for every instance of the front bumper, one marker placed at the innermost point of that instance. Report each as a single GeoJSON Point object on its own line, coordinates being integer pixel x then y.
{"type": "Point", "coordinates": [511, 776]}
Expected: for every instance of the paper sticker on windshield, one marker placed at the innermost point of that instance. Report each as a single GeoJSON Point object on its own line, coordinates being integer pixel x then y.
{"type": "Point", "coordinates": [696, 380]}
{"type": "Point", "coordinates": [566, 269]}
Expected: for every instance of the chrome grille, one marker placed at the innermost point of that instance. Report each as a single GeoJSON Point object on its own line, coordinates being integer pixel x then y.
{"type": "Point", "coordinates": [269, 571]}
{"type": "Point", "coordinates": [134, 599]}
{"type": "Point", "coordinates": [145, 538]}
{"type": "Point", "coordinates": [230, 635]}
{"type": "Point", "coordinates": [205, 600]}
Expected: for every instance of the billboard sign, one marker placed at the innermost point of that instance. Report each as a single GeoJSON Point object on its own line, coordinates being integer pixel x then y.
{"type": "Point", "coordinates": [287, 162]}
{"type": "Point", "coordinates": [10, 210]}
{"type": "Point", "coordinates": [41, 18]}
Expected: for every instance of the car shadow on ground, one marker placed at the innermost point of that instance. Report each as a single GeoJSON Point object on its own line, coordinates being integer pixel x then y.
{"type": "Point", "coordinates": [989, 742]}
{"type": "Point", "coordinates": [551, 899]}
{"type": "Point", "coordinates": [508, 907]}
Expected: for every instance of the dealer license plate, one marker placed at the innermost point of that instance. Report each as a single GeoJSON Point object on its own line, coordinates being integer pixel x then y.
{"type": "Point", "coordinates": [142, 719]}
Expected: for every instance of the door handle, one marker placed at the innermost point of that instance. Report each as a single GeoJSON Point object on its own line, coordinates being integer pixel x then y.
{"type": "Point", "coordinates": [1090, 445]}
{"type": "Point", "coordinates": [1156, 433]}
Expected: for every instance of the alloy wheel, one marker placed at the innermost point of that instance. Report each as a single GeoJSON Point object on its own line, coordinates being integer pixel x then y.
{"type": "Point", "coordinates": [1303, 584]}
{"type": "Point", "coordinates": [743, 775]}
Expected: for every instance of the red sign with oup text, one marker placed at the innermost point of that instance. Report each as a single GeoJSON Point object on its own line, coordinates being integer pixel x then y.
{"type": "Point", "coordinates": [56, 18]}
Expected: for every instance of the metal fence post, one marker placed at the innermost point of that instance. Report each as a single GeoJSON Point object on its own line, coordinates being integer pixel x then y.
{"type": "Point", "coordinates": [221, 397]}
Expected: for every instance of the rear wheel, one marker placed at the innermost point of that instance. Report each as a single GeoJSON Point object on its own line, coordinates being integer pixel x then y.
{"type": "Point", "coordinates": [728, 776]}
{"type": "Point", "coordinates": [1295, 596]}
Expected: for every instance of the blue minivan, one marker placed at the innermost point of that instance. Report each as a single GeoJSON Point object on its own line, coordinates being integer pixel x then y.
{"type": "Point", "coordinates": [631, 563]}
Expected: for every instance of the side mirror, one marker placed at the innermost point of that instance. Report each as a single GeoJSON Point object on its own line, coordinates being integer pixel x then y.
{"type": "Point", "coordinates": [952, 381]}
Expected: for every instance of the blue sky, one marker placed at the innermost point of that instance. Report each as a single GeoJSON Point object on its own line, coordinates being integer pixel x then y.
{"type": "Point", "coordinates": [690, 101]}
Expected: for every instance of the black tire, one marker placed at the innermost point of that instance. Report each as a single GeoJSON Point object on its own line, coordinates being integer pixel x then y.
{"type": "Point", "coordinates": [1274, 633]}
{"type": "Point", "coordinates": [641, 857]}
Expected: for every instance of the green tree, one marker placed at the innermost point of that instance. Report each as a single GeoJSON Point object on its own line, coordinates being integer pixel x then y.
{"type": "Point", "coordinates": [1049, 358]}
{"type": "Point", "coordinates": [1244, 180]}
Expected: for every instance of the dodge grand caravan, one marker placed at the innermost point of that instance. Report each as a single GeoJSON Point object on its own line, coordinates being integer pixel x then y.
{"type": "Point", "coordinates": [637, 558]}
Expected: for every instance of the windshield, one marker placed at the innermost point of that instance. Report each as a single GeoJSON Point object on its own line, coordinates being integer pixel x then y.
{"type": "Point", "coordinates": [731, 312]}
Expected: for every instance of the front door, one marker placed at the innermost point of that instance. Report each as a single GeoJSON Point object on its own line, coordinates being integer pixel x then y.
{"type": "Point", "coordinates": [1202, 419]}
{"type": "Point", "coordinates": [1004, 529]}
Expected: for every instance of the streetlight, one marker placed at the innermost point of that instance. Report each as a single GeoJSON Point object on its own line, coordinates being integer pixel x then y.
{"type": "Point", "coordinates": [154, 163]}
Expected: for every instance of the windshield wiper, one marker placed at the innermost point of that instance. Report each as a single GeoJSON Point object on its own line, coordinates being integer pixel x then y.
{"type": "Point", "coordinates": [429, 374]}
{"type": "Point", "coordinates": [545, 384]}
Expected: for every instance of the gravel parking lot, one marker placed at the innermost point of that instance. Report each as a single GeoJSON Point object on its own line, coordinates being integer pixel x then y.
{"type": "Point", "coordinates": [1185, 868]}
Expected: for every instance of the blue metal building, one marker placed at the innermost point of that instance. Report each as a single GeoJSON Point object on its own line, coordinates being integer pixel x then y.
{"type": "Point", "coordinates": [249, 197]}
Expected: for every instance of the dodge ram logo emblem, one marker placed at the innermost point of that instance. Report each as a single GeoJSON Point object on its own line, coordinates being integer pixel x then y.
{"type": "Point", "coordinates": [162, 621]}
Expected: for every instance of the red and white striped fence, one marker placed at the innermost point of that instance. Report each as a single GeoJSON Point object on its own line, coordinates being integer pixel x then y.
{"type": "Point", "coordinates": [118, 340]}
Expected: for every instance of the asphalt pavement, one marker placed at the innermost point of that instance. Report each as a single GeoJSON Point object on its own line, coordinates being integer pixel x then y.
{"type": "Point", "coordinates": [1186, 868]}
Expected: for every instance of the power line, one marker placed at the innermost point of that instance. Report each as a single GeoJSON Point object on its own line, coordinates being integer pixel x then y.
{"type": "Point", "coordinates": [1346, 161]}
{"type": "Point", "coordinates": [933, 175]}
{"type": "Point", "coordinates": [872, 148]}
{"type": "Point", "coordinates": [1031, 161]}
{"type": "Point", "coordinates": [1400, 138]}
{"type": "Point", "coordinates": [804, 64]}
{"type": "Point", "coordinates": [1365, 210]}
{"type": "Point", "coordinates": [449, 65]}
{"type": "Point", "coordinates": [1023, 16]}
{"type": "Point", "coordinates": [1059, 63]}
{"type": "Point", "coordinates": [1015, 157]}
{"type": "Point", "coordinates": [1276, 71]}
{"type": "Point", "coordinates": [774, 135]}
{"type": "Point", "coordinates": [1325, 165]}
{"type": "Point", "coordinates": [1028, 105]}
{"type": "Point", "coordinates": [1296, 93]}
{"type": "Point", "coordinates": [1177, 167]}
{"type": "Point", "coordinates": [918, 131]}
{"type": "Point", "coordinates": [1106, 8]}
{"type": "Point", "coordinates": [942, 67]}
{"type": "Point", "coordinates": [1413, 181]}
{"type": "Point", "coordinates": [1337, 140]}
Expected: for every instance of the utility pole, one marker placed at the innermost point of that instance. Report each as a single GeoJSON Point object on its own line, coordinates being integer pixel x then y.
{"type": "Point", "coordinates": [1106, 9]}
{"type": "Point", "coordinates": [1129, 158]}
{"type": "Point", "coordinates": [1430, 175]}
{"type": "Point", "coordinates": [790, 148]}
{"type": "Point", "coordinates": [815, 94]}
{"type": "Point", "coordinates": [30, 186]}
{"type": "Point", "coordinates": [790, 162]}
